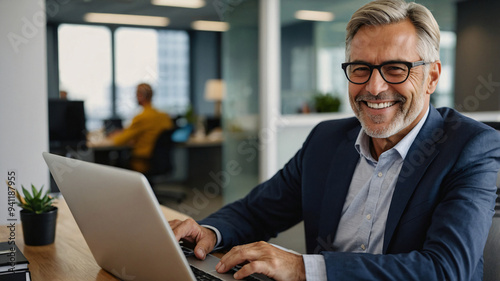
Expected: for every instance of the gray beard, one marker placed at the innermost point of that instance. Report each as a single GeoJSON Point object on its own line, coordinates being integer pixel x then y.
{"type": "Point", "coordinates": [401, 120]}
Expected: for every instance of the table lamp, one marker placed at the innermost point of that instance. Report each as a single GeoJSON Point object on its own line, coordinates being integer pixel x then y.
{"type": "Point", "coordinates": [214, 91]}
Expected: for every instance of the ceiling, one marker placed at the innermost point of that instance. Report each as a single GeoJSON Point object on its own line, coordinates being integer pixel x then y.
{"type": "Point", "coordinates": [72, 11]}
{"type": "Point", "coordinates": [443, 10]}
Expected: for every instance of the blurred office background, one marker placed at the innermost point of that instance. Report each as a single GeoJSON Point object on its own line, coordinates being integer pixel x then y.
{"type": "Point", "coordinates": [279, 61]}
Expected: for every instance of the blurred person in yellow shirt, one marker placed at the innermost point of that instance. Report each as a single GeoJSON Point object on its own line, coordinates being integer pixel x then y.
{"type": "Point", "coordinates": [144, 130]}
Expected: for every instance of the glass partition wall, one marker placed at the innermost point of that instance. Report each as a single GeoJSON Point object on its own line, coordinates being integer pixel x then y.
{"type": "Point", "coordinates": [313, 47]}
{"type": "Point", "coordinates": [241, 103]}
{"type": "Point", "coordinates": [272, 123]}
{"type": "Point", "coordinates": [313, 85]}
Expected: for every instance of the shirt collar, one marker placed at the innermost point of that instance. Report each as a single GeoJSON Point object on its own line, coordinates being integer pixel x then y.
{"type": "Point", "coordinates": [362, 144]}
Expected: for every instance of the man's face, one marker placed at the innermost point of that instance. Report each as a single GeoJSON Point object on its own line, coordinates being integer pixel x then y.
{"type": "Point", "coordinates": [385, 109]}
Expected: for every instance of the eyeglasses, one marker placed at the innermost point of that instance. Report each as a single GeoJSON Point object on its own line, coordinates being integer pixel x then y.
{"type": "Point", "coordinates": [393, 72]}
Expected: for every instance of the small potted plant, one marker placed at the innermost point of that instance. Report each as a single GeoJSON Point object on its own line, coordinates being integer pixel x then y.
{"type": "Point", "coordinates": [326, 103]}
{"type": "Point", "coordinates": [38, 216]}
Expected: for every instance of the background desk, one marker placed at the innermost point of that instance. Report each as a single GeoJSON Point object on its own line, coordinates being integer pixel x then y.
{"type": "Point", "coordinates": [69, 258]}
{"type": "Point", "coordinates": [193, 160]}
{"type": "Point", "coordinates": [203, 157]}
{"type": "Point", "coordinates": [117, 156]}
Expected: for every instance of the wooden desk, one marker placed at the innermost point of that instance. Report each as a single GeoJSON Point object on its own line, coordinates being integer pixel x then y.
{"type": "Point", "coordinates": [202, 142]}
{"type": "Point", "coordinates": [69, 258]}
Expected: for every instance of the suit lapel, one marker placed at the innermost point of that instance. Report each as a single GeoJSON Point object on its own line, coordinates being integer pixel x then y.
{"type": "Point", "coordinates": [418, 159]}
{"type": "Point", "coordinates": [337, 184]}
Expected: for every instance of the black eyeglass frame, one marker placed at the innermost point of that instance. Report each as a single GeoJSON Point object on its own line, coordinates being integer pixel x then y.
{"type": "Point", "coordinates": [410, 65]}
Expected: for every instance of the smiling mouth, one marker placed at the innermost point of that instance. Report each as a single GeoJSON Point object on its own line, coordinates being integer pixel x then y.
{"type": "Point", "coordinates": [379, 105]}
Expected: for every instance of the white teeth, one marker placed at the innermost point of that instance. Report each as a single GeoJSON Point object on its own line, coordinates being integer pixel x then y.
{"type": "Point", "coordinates": [380, 105]}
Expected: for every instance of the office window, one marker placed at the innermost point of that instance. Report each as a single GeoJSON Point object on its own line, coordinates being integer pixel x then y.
{"type": "Point", "coordinates": [136, 62]}
{"type": "Point", "coordinates": [85, 69]}
{"type": "Point", "coordinates": [173, 64]}
{"type": "Point", "coordinates": [157, 57]}
{"type": "Point", "coordinates": [160, 58]}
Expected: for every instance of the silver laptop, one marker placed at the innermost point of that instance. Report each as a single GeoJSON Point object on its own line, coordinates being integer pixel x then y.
{"type": "Point", "coordinates": [122, 223]}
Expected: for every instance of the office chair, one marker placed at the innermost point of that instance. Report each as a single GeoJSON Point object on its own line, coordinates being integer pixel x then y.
{"type": "Point", "coordinates": [160, 166]}
{"type": "Point", "coordinates": [491, 252]}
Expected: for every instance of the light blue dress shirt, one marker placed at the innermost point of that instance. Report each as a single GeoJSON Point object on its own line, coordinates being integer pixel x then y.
{"type": "Point", "coordinates": [364, 215]}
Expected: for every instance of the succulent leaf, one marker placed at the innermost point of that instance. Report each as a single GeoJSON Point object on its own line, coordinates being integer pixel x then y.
{"type": "Point", "coordinates": [37, 202]}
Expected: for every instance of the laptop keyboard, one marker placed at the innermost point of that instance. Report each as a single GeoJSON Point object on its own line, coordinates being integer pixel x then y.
{"type": "Point", "coordinates": [204, 276]}
{"type": "Point", "coordinates": [187, 251]}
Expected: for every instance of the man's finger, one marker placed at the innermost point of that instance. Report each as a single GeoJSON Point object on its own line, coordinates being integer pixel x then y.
{"type": "Point", "coordinates": [237, 255]}
{"type": "Point", "coordinates": [200, 252]}
{"type": "Point", "coordinates": [251, 268]}
{"type": "Point", "coordinates": [205, 243]}
{"type": "Point", "coordinates": [190, 231]}
{"type": "Point", "coordinates": [174, 223]}
{"type": "Point", "coordinates": [187, 229]}
{"type": "Point", "coordinates": [203, 247]}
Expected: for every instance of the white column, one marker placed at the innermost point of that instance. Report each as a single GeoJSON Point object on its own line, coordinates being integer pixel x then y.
{"type": "Point", "coordinates": [23, 95]}
{"type": "Point", "coordinates": [269, 85]}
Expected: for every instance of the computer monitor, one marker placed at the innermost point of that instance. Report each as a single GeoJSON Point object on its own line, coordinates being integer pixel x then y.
{"type": "Point", "coordinates": [112, 124]}
{"type": "Point", "coordinates": [212, 123]}
{"type": "Point", "coordinates": [66, 124]}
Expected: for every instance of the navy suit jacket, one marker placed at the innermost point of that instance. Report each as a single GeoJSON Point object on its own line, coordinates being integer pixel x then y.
{"type": "Point", "coordinates": [439, 217]}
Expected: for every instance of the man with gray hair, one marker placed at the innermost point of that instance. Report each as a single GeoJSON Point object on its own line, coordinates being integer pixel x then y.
{"type": "Point", "coordinates": [404, 191]}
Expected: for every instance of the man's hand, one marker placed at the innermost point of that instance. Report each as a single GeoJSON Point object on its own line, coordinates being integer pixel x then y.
{"type": "Point", "coordinates": [191, 231]}
{"type": "Point", "coordinates": [262, 257]}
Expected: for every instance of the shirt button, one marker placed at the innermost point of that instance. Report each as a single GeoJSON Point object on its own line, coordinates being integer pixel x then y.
{"type": "Point", "coordinates": [380, 174]}
{"type": "Point", "coordinates": [368, 217]}
{"type": "Point", "coordinates": [363, 247]}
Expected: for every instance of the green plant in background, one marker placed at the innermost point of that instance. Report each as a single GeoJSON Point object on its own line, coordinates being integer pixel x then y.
{"type": "Point", "coordinates": [35, 202]}
{"type": "Point", "coordinates": [191, 116]}
{"type": "Point", "coordinates": [326, 103]}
